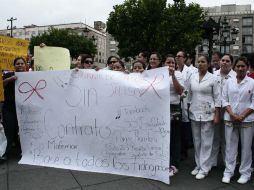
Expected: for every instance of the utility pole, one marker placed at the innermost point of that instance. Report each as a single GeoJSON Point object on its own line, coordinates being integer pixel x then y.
{"type": "Point", "coordinates": [11, 20]}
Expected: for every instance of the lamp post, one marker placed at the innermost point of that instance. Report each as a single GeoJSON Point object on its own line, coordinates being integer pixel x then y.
{"type": "Point", "coordinates": [11, 20]}
{"type": "Point", "coordinates": [225, 35]}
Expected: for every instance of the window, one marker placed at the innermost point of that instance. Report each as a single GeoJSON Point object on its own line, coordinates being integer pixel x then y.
{"type": "Point", "coordinates": [247, 39]}
{"type": "Point", "coordinates": [235, 52]}
{"type": "Point", "coordinates": [112, 42]}
{"type": "Point", "coordinates": [224, 49]}
{"type": "Point", "coordinates": [247, 48]}
{"type": "Point", "coordinates": [235, 47]}
{"type": "Point", "coordinates": [41, 31]}
{"type": "Point", "coordinates": [247, 21]}
{"type": "Point", "coordinates": [235, 20]}
{"type": "Point", "coordinates": [247, 31]}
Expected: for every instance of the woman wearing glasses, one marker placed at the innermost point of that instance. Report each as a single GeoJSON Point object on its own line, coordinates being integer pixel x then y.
{"type": "Point", "coordinates": [86, 61]}
{"type": "Point", "coordinates": [154, 61]}
{"type": "Point", "coordinates": [112, 59]}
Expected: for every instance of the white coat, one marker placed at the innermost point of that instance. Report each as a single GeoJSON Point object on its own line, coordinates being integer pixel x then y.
{"type": "Point", "coordinates": [203, 97]}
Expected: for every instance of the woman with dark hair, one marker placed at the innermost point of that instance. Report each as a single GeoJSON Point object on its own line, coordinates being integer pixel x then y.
{"type": "Point", "coordinates": [86, 61]}
{"type": "Point", "coordinates": [144, 56]}
{"type": "Point", "coordinates": [223, 74]}
{"type": "Point", "coordinates": [10, 122]}
{"type": "Point", "coordinates": [138, 66]}
{"type": "Point", "coordinates": [238, 101]}
{"type": "Point", "coordinates": [112, 59]}
{"type": "Point", "coordinates": [118, 66]}
{"type": "Point", "coordinates": [176, 88]}
{"type": "Point", "coordinates": [215, 62]}
{"type": "Point", "coordinates": [154, 61]}
{"type": "Point", "coordinates": [204, 103]}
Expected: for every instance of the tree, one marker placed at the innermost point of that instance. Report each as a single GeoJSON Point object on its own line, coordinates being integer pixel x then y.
{"type": "Point", "coordinates": [66, 38]}
{"type": "Point", "coordinates": [155, 26]}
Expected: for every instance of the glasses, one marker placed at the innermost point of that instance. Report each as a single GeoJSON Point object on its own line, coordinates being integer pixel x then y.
{"type": "Point", "coordinates": [88, 62]}
{"type": "Point", "coordinates": [111, 62]}
{"type": "Point", "coordinates": [178, 56]}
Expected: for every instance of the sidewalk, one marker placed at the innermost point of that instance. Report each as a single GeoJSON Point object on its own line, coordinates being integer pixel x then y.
{"type": "Point", "coordinates": [25, 177]}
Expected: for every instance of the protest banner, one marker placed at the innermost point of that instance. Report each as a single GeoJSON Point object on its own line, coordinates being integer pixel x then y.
{"type": "Point", "coordinates": [99, 121]}
{"type": "Point", "coordinates": [10, 48]}
{"type": "Point", "coordinates": [51, 58]}
{"type": "Point", "coordinates": [1, 87]}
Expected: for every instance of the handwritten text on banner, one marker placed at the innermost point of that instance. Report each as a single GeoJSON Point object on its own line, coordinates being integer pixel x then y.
{"type": "Point", "coordinates": [99, 121]}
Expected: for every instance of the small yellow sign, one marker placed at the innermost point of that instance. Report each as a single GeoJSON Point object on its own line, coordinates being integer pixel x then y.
{"type": "Point", "coordinates": [51, 58]}
{"type": "Point", "coordinates": [10, 48]}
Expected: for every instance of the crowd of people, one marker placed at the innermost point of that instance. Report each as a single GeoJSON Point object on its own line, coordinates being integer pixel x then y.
{"type": "Point", "coordinates": [211, 103]}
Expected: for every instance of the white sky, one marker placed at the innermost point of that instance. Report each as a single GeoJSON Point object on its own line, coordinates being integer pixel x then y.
{"type": "Point", "coordinates": [45, 12]}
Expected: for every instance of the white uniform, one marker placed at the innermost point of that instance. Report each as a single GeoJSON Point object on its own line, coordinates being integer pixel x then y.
{"type": "Point", "coordinates": [186, 72]}
{"type": "Point", "coordinates": [174, 97]}
{"type": "Point", "coordinates": [219, 132]}
{"type": "Point", "coordinates": [239, 97]}
{"type": "Point", "coordinates": [203, 97]}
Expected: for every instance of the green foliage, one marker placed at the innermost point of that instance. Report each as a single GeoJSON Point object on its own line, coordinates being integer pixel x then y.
{"type": "Point", "coordinates": [64, 38]}
{"type": "Point", "coordinates": [151, 25]}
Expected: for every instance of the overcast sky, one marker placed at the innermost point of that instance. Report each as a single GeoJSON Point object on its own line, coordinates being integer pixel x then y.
{"type": "Point", "coordinates": [46, 12]}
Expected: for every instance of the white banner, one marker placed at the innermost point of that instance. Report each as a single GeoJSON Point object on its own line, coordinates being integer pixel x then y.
{"type": "Point", "coordinates": [98, 121]}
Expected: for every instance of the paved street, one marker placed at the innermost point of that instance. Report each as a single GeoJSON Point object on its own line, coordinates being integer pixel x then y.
{"type": "Point", "coordinates": [25, 177]}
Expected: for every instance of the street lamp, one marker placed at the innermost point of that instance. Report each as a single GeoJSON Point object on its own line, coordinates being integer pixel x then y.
{"type": "Point", "coordinates": [225, 35]}
{"type": "Point", "coordinates": [11, 20]}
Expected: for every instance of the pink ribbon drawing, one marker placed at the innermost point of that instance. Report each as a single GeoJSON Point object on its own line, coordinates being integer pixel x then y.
{"type": "Point", "coordinates": [156, 81]}
{"type": "Point", "coordinates": [22, 88]}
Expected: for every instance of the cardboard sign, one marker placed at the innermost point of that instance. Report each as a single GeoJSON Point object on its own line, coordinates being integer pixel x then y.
{"type": "Point", "coordinates": [10, 48]}
{"type": "Point", "coordinates": [51, 58]}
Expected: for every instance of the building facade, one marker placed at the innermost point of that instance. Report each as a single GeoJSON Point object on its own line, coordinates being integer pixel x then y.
{"type": "Point", "coordinates": [96, 34]}
{"type": "Point", "coordinates": [236, 31]}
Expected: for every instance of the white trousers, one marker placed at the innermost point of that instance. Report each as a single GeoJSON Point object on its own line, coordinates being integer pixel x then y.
{"type": "Point", "coordinates": [203, 133]}
{"type": "Point", "coordinates": [232, 139]}
{"type": "Point", "coordinates": [219, 143]}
